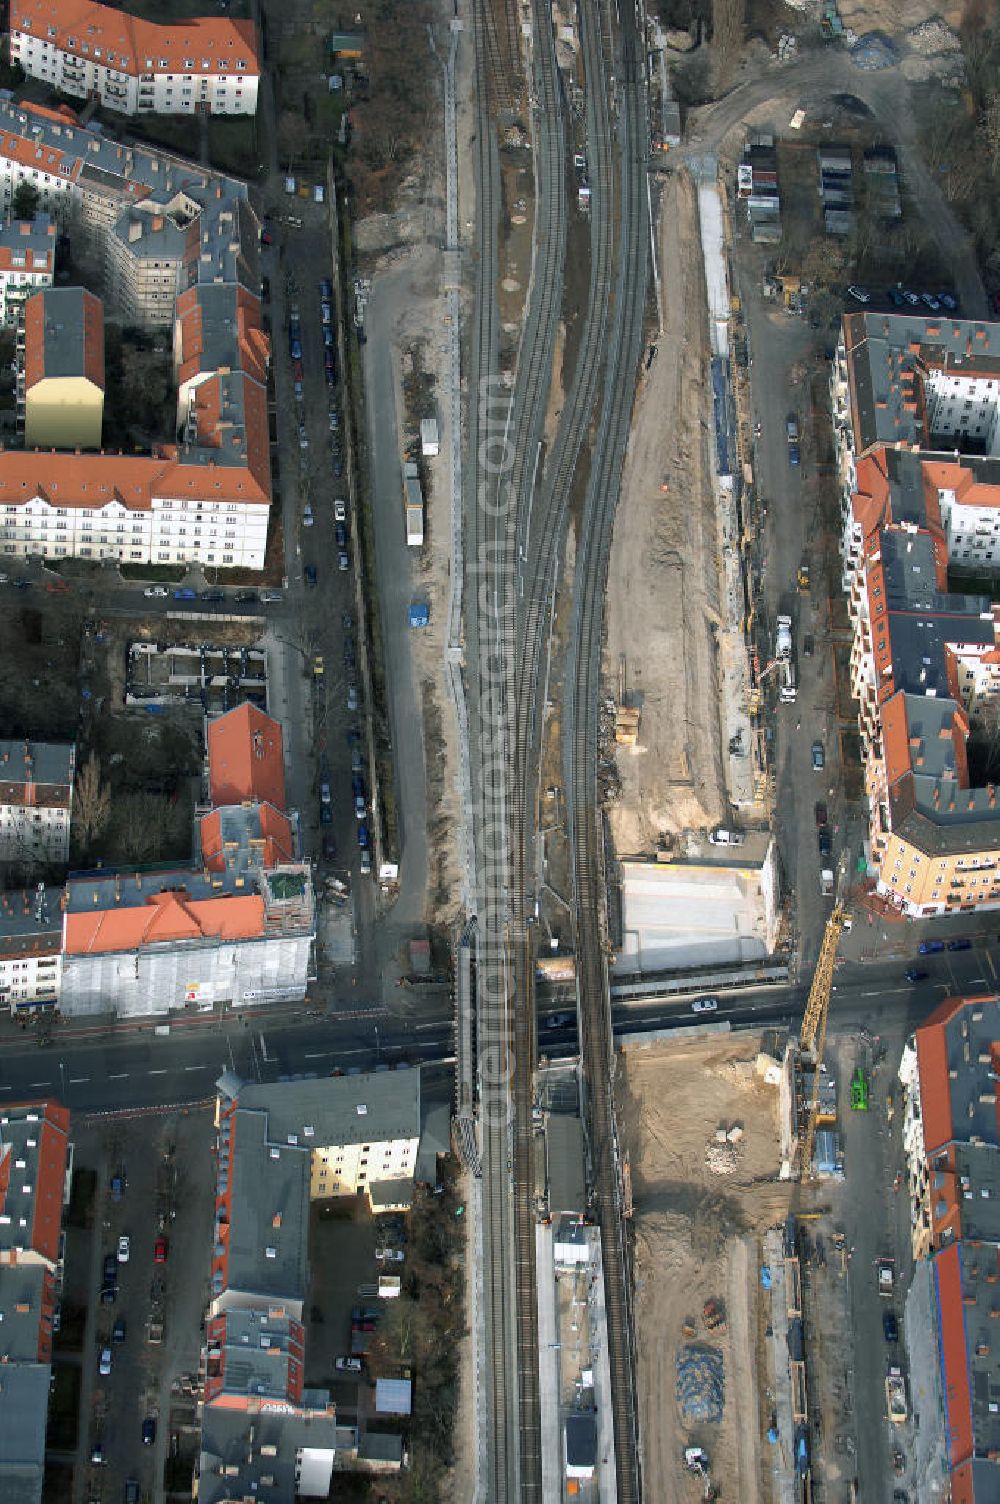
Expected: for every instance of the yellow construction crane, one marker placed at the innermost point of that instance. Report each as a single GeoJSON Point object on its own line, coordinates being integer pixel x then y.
{"type": "Point", "coordinates": [812, 1039]}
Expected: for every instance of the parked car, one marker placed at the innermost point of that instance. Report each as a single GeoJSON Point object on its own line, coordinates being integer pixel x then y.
{"type": "Point", "coordinates": [946, 299]}
{"type": "Point", "coordinates": [390, 1255]}
{"type": "Point", "coordinates": [329, 849]}
{"type": "Point", "coordinates": [819, 810]}
{"type": "Point", "coordinates": [915, 974]}
{"type": "Point", "coordinates": [97, 1456]}
{"type": "Point", "coordinates": [325, 312]}
{"type": "Point", "coordinates": [326, 288]}
{"type": "Point", "coordinates": [910, 297]}
{"type": "Point", "coordinates": [338, 468]}
{"type": "Point", "coordinates": [215, 596]}
{"type": "Point", "coordinates": [930, 301]}
{"type": "Point", "coordinates": [366, 863]}
{"type": "Point", "coordinates": [348, 1365]}
{"type": "Point", "coordinates": [118, 1330]}
{"type": "Point", "coordinates": [160, 1250]}
{"type": "Point", "coordinates": [360, 808]}
{"type": "Point", "coordinates": [268, 596]}
{"type": "Point", "coordinates": [245, 597]}
{"type": "Point", "coordinates": [185, 593]}
{"type": "Point", "coordinates": [340, 534]}
{"type": "Point", "coordinates": [328, 338]}
{"type": "Point", "coordinates": [704, 1005]}
{"type": "Point", "coordinates": [131, 1491]}
{"type": "Point", "coordinates": [149, 1431]}
{"type": "Point", "coordinates": [818, 756]}
{"type": "Point", "coordinates": [334, 420]}
{"type": "Point", "coordinates": [930, 947]}
{"type": "Point", "coordinates": [825, 841]}
{"type": "Point", "coordinates": [343, 561]}
{"type": "Point", "coordinates": [963, 944]}
{"type": "Point", "coordinates": [896, 297]}
{"type": "Point", "coordinates": [325, 813]}
{"type": "Point", "coordinates": [859, 294]}
{"type": "Point", "coordinates": [109, 1294]}
{"type": "Point", "coordinates": [363, 836]}
{"type": "Point", "coordinates": [309, 575]}
{"type": "Point", "coordinates": [307, 515]}
{"type": "Point", "coordinates": [295, 348]}
{"type": "Point", "coordinates": [303, 437]}
{"type": "Point", "coordinates": [352, 697]}
{"type": "Point", "coordinates": [793, 455]}
{"type": "Point", "coordinates": [104, 1365]}
{"type": "Point", "coordinates": [890, 1326]}
{"type": "Point", "coordinates": [123, 1248]}
{"type": "Point", "coordinates": [110, 1269]}
{"type": "Point", "coordinates": [792, 428]}
{"type": "Point", "coordinates": [356, 760]}
{"type": "Point", "coordinates": [340, 509]}
{"type": "Point", "coordinates": [156, 592]}
{"type": "Point", "coordinates": [808, 646]}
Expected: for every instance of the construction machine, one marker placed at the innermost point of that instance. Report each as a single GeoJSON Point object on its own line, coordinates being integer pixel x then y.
{"type": "Point", "coordinates": [812, 1038]}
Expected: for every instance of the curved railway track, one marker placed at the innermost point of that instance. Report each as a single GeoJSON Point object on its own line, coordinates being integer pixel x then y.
{"type": "Point", "coordinates": [581, 719]}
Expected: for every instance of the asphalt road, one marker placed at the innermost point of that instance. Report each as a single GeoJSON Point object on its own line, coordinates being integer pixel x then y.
{"type": "Point", "coordinates": [131, 1069]}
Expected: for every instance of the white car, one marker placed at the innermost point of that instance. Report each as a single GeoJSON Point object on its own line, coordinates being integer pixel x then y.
{"type": "Point", "coordinates": [105, 1364]}
{"type": "Point", "coordinates": [156, 592]}
{"type": "Point", "coordinates": [860, 294]}
{"type": "Point", "coordinates": [123, 1249]}
{"type": "Point", "coordinates": [390, 1255]}
{"type": "Point", "coordinates": [340, 510]}
{"type": "Point", "coordinates": [348, 1365]}
{"type": "Point", "coordinates": [307, 515]}
{"type": "Point", "coordinates": [704, 1005]}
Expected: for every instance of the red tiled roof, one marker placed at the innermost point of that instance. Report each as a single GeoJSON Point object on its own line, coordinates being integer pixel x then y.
{"type": "Point", "coordinates": [932, 1062]}
{"type": "Point", "coordinates": [132, 45]}
{"type": "Point", "coordinates": [954, 1354]}
{"type": "Point", "coordinates": [245, 758]}
{"type": "Point", "coordinates": [164, 917]}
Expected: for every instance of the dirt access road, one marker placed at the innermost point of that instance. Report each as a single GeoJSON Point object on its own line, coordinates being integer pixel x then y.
{"type": "Point", "coordinates": [699, 1210]}
{"type": "Point", "coordinates": [805, 84]}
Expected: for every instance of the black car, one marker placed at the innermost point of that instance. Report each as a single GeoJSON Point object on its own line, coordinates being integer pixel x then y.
{"type": "Point", "coordinates": [338, 468]}
{"type": "Point", "coordinates": [109, 1295]}
{"type": "Point", "coordinates": [340, 535]}
{"type": "Point", "coordinates": [890, 1326]}
{"type": "Point", "coordinates": [329, 848]}
{"type": "Point", "coordinates": [325, 814]}
{"type": "Point", "coordinates": [149, 1431]}
{"type": "Point", "coordinates": [825, 842]}
{"type": "Point", "coordinates": [309, 574]}
{"type": "Point", "coordinates": [110, 1269]}
{"type": "Point", "coordinates": [915, 974]}
{"type": "Point", "coordinates": [213, 595]}
{"type": "Point", "coordinates": [245, 597]}
{"type": "Point", "coordinates": [118, 1330]}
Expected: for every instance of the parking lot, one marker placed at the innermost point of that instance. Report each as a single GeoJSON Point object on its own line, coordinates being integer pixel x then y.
{"type": "Point", "coordinates": [148, 1180]}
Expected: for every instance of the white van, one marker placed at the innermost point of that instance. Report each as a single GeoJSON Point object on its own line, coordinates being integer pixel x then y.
{"type": "Point", "coordinates": [723, 837]}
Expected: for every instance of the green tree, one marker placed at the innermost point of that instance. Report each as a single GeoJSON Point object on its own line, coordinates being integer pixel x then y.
{"type": "Point", "coordinates": [24, 204]}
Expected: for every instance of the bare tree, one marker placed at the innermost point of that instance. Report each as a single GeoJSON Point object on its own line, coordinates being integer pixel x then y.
{"type": "Point", "coordinates": [727, 41]}
{"type": "Point", "coordinates": [91, 802]}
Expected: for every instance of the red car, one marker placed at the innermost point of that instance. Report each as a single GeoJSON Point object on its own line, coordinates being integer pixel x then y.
{"type": "Point", "coordinates": [160, 1251]}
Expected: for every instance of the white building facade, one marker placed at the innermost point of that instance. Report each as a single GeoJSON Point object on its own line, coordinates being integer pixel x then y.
{"type": "Point", "coordinates": [134, 66]}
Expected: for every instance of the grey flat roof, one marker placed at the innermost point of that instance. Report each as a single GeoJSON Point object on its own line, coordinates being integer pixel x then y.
{"type": "Point", "coordinates": [37, 762]}
{"type": "Point", "coordinates": [380, 1446]}
{"type": "Point", "coordinates": [23, 1416]}
{"type": "Point", "coordinates": [269, 1211]}
{"type": "Point", "coordinates": [339, 1109]}
{"type": "Point", "coordinates": [564, 1152]}
{"type": "Point", "coordinates": [64, 331]}
{"type": "Point", "coordinates": [235, 1440]}
{"type": "Point", "coordinates": [435, 1139]}
{"type": "Point", "coordinates": [581, 1439]}
{"type": "Point", "coordinates": [21, 1285]}
{"type": "Point", "coordinates": [30, 922]}
{"type": "Point", "coordinates": [256, 1351]}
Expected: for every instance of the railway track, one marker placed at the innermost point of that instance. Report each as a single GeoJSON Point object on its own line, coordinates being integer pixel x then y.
{"type": "Point", "coordinates": [581, 721]}
{"type": "Point", "coordinates": [497, 1453]}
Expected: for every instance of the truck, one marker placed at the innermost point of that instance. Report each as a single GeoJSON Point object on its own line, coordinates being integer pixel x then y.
{"type": "Point", "coordinates": [895, 1394]}
{"type": "Point", "coordinates": [420, 614]}
{"type": "Point", "coordinates": [787, 686]}
{"type": "Point", "coordinates": [783, 638]}
{"type": "Point", "coordinates": [826, 882]}
{"type": "Point", "coordinates": [886, 1278]}
{"type": "Point", "coordinates": [414, 526]}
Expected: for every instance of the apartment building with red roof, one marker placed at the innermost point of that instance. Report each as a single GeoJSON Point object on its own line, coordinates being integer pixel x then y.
{"type": "Point", "coordinates": [35, 1167]}
{"type": "Point", "coordinates": [235, 930]}
{"type": "Point", "coordinates": [951, 1140]}
{"type": "Point", "coordinates": [27, 262]}
{"type": "Point", "coordinates": [180, 249]}
{"type": "Point", "coordinates": [134, 66]}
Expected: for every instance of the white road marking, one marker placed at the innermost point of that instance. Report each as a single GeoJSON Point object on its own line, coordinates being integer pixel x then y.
{"type": "Point", "coordinates": [123, 1076]}
{"type": "Point", "coordinates": [199, 1067]}
{"type": "Point", "coordinates": [32, 1084]}
{"type": "Point", "coordinates": [322, 1055]}
{"type": "Point", "coordinates": [160, 1072]}
{"type": "Point", "coordinates": [78, 1080]}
